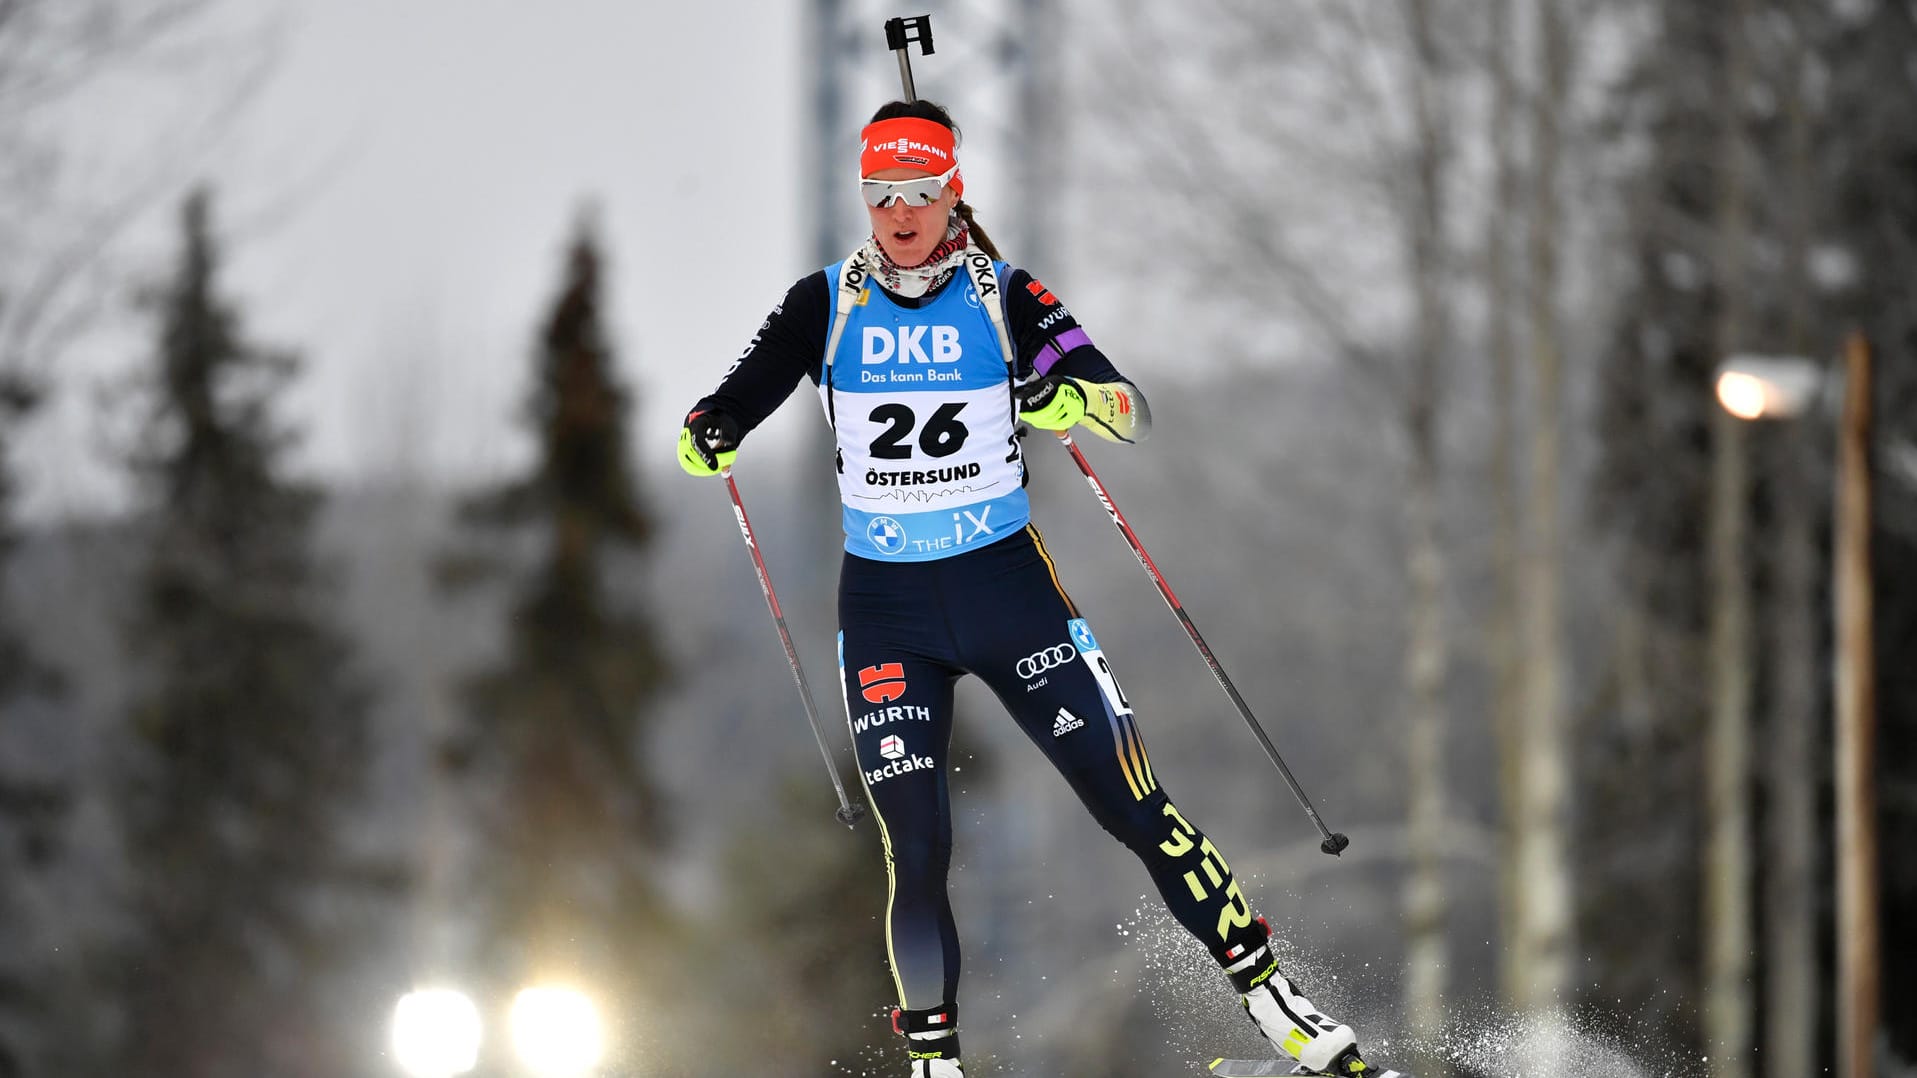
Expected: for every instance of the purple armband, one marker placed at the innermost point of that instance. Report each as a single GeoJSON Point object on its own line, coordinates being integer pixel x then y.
{"type": "Point", "coordinates": [1055, 349]}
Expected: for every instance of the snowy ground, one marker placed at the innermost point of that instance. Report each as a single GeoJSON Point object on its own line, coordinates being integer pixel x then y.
{"type": "Point", "coordinates": [1478, 1038]}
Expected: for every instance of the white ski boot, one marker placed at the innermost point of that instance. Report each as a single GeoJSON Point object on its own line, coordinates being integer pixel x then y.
{"type": "Point", "coordinates": [1288, 1020]}
{"type": "Point", "coordinates": [936, 1068]}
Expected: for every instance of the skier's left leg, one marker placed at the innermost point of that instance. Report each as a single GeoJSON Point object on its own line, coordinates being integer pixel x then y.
{"type": "Point", "coordinates": [1045, 665]}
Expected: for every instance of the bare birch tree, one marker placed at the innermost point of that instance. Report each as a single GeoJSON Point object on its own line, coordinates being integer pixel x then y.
{"type": "Point", "coordinates": [1790, 989]}
{"type": "Point", "coordinates": [1541, 924]}
{"type": "Point", "coordinates": [1427, 655]}
{"type": "Point", "coordinates": [1501, 301]}
{"type": "Point", "coordinates": [1726, 907]}
{"type": "Point", "coordinates": [1381, 308]}
{"type": "Point", "coordinates": [52, 237]}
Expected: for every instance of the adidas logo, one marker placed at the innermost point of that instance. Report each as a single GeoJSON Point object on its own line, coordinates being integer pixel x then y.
{"type": "Point", "coordinates": [1065, 723]}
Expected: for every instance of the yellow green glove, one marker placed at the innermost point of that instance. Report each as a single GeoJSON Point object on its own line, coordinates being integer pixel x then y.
{"type": "Point", "coordinates": [708, 442]}
{"type": "Point", "coordinates": [1051, 402]}
{"type": "Point", "coordinates": [1116, 411]}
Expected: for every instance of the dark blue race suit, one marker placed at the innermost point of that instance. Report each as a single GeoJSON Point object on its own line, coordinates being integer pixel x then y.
{"type": "Point", "coordinates": [915, 618]}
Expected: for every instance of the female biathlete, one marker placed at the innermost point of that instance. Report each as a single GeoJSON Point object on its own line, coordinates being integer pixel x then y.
{"type": "Point", "coordinates": [927, 351]}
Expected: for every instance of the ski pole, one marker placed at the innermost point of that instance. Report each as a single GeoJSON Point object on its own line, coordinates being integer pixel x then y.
{"type": "Point", "coordinates": [900, 41]}
{"type": "Point", "coordinates": [1334, 842]}
{"type": "Point", "coordinates": [848, 812]}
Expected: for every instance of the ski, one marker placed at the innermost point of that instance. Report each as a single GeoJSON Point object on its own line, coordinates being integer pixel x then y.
{"type": "Point", "coordinates": [1271, 1068]}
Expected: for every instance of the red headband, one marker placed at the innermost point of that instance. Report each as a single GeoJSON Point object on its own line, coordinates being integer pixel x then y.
{"type": "Point", "coordinates": [909, 142]}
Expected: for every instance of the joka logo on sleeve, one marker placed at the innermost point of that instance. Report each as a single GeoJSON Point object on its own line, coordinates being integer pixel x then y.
{"type": "Point", "coordinates": [883, 683]}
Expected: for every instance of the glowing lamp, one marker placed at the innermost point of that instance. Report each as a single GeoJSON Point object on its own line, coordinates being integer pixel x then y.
{"type": "Point", "coordinates": [435, 1033]}
{"type": "Point", "coordinates": [556, 1032]}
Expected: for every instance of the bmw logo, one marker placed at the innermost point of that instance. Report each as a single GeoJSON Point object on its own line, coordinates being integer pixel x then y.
{"type": "Point", "coordinates": [886, 535]}
{"type": "Point", "coordinates": [1082, 635]}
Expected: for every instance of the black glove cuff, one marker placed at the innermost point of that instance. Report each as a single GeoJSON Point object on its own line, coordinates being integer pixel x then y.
{"type": "Point", "coordinates": [1037, 394]}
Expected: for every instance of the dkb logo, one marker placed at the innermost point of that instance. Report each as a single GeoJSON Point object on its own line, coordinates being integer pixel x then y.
{"type": "Point", "coordinates": [908, 345]}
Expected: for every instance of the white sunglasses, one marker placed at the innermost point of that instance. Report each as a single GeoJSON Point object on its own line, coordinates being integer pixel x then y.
{"type": "Point", "coordinates": [922, 191]}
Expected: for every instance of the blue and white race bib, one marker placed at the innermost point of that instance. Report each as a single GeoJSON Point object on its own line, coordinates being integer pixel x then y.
{"type": "Point", "coordinates": [925, 422]}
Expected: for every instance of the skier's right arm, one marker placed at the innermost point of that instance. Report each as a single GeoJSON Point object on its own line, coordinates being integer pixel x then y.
{"type": "Point", "coordinates": [787, 348]}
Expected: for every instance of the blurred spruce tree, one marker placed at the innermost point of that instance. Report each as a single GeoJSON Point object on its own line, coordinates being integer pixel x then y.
{"type": "Point", "coordinates": [1831, 215]}
{"type": "Point", "coordinates": [249, 719]}
{"type": "Point", "coordinates": [23, 675]}
{"type": "Point", "coordinates": [807, 901]}
{"type": "Point", "coordinates": [33, 804]}
{"type": "Point", "coordinates": [552, 756]}
{"type": "Point", "coordinates": [17, 399]}
{"type": "Point", "coordinates": [1640, 830]}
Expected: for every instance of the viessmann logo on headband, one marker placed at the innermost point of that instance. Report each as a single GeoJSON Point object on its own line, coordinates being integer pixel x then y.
{"type": "Point", "coordinates": [909, 152]}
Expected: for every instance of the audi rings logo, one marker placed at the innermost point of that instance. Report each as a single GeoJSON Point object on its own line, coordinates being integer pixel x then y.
{"type": "Point", "coordinates": [1033, 665]}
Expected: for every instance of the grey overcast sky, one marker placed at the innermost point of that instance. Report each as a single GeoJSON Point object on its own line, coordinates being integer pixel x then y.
{"type": "Point", "coordinates": [398, 195]}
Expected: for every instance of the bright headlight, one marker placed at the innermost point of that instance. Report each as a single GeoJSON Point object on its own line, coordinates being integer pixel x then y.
{"type": "Point", "coordinates": [436, 1033]}
{"type": "Point", "coordinates": [557, 1032]}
